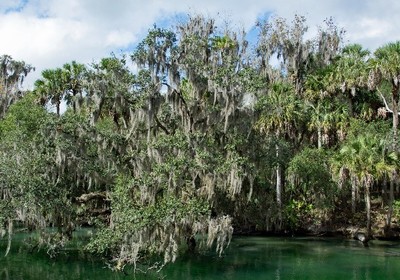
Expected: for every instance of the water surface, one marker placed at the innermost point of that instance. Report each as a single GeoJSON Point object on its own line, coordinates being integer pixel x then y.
{"type": "Point", "coordinates": [247, 258]}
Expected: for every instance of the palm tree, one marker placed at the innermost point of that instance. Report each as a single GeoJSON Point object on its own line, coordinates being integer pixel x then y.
{"type": "Point", "coordinates": [327, 117]}
{"type": "Point", "coordinates": [281, 111]}
{"type": "Point", "coordinates": [385, 67]}
{"type": "Point", "coordinates": [363, 162]}
{"type": "Point", "coordinates": [51, 88]}
{"type": "Point", "coordinates": [350, 72]}
{"type": "Point", "coordinates": [73, 75]}
{"type": "Point", "coordinates": [281, 116]}
{"type": "Point", "coordinates": [327, 114]}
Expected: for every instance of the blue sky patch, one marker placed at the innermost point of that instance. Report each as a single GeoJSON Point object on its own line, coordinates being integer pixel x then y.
{"type": "Point", "coordinates": [17, 8]}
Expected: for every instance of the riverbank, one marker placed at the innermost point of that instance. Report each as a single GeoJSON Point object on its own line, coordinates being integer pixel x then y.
{"type": "Point", "coordinates": [339, 225]}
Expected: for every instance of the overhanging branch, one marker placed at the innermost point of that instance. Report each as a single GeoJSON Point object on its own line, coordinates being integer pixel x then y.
{"type": "Point", "coordinates": [386, 104]}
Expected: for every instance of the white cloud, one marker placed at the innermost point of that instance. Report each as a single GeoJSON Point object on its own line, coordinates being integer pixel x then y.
{"type": "Point", "coordinates": [372, 28]}
{"type": "Point", "coordinates": [119, 38]}
{"type": "Point", "coordinates": [49, 33]}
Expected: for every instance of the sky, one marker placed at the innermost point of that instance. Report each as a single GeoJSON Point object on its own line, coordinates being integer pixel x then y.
{"type": "Point", "coordinates": [49, 33]}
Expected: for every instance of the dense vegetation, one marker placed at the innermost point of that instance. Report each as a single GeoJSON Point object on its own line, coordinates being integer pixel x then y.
{"type": "Point", "coordinates": [211, 135]}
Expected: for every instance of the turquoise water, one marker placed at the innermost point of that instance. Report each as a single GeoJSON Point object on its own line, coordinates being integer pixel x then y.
{"type": "Point", "coordinates": [246, 258]}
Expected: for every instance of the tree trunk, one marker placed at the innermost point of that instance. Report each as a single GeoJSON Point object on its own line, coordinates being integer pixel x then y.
{"type": "Point", "coordinates": [390, 203]}
{"type": "Point", "coordinates": [74, 101]}
{"type": "Point", "coordinates": [395, 101]}
{"type": "Point", "coordinates": [385, 198]}
{"type": "Point", "coordinates": [319, 137]}
{"type": "Point", "coordinates": [353, 198]}
{"type": "Point", "coordinates": [58, 105]}
{"type": "Point", "coordinates": [368, 206]}
{"type": "Point", "coordinates": [350, 104]}
{"type": "Point", "coordinates": [278, 189]}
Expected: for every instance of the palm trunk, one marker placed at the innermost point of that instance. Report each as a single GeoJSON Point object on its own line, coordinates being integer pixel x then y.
{"type": "Point", "coordinates": [4, 109]}
{"type": "Point", "coordinates": [350, 104]}
{"type": "Point", "coordinates": [74, 101]}
{"type": "Point", "coordinates": [278, 188]}
{"type": "Point", "coordinates": [395, 101]}
{"type": "Point", "coordinates": [368, 207]}
{"type": "Point", "coordinates": [58, 105]}
{"type": "Point", "coordinates": [353, 197]}
{"type": "Point", "coordinates": [149, 121]}
{"type": "Point", "coordinates": [319, 131]}
{"type": "Point", "coordinates": [385, 199]}
{"type": "Point", "coordinates": [391, 199]}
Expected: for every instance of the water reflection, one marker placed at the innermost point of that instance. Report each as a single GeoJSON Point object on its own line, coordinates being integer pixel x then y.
{"type": "Point", "coordinates": [274, 258]}
{"type": "Point", "coordinates": [4, 274]}
{"type": "Point", "coordinates": [247, 258]}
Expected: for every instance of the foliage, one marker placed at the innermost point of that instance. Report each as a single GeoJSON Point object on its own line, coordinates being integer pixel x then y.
{"type": "Point", "coordinates": [310, 187]}
{"type": "Point", "coordinates": [206, 137]}
{"type": "Point", "coordinates": [12, 75]}
{"type": "Point", "coordinates": [309, 175]}
{"type": "Point", "coordinates": [396, 209]}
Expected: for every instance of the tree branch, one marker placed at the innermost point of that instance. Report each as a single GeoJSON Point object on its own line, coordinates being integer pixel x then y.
{"type": "Point", "coordinates": [180, 97]}
{"type": "Point", "coordinates": [386, 104]}
{"type": "Point", "coordinates": [160, 125]}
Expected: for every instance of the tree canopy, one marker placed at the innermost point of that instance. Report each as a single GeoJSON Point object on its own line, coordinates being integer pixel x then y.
{"type": "Point", "coordinates": [208, 137]}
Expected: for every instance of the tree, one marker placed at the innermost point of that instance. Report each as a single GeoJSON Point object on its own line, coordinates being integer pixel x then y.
{"type": "Point", "coordinates": [287, 43]}
{"type": "Point", "coordinates": [23, 187]}
{"type": "Point", "coordinates": [51, 88]}
{"type": "Point", "coordinates": [206, 136]}
{"type": "Point", "coordinates": [185, 142]}
{"type": "Point", "coordinates": [327, 116]}
{"type": "Point", "coordinates": [74, 77]}
{"type": "Point", "coordinates": [112, 90]}
{"type": "Point", "coordinates": [12, 75]}
{"type": "Point", "coordinates": [385, 67]}
{"type": "Point", "coordinates": [281, 116]}
{"type": "Point", "coordinates": [362, 160]}
{"type": "Point", "coordinates": [350, 72]}
{"type": "Point", "coordinates": [311, 188]}
{"type": "Point", "coordinates": [297, 57]}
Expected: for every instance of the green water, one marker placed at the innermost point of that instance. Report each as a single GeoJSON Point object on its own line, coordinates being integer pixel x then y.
{"type": "Point", "coordinates": [247, 258]}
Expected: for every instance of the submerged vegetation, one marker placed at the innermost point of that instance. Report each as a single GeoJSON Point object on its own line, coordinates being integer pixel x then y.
{"type": "Point", "coordinates": [208, 137]}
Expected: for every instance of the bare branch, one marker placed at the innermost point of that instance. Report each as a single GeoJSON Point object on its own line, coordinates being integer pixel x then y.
{"type": "Point", "coordinates": [386, 104]}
